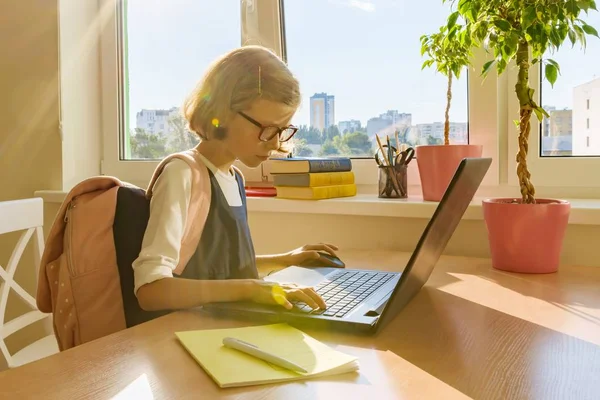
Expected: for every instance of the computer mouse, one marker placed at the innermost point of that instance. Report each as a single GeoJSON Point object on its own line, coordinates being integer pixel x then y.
{"type": "Point", "coordinates": [321, 263]}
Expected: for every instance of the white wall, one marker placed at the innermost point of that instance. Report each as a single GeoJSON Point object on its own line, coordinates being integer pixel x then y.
{"type": "Point", "coordinates": [80, 89]}
{"type": "Point", "coordinates": [277, 232]}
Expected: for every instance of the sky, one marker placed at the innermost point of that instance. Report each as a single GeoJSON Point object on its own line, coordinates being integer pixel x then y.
{"type": "Point", "coordinates": [364, 52]}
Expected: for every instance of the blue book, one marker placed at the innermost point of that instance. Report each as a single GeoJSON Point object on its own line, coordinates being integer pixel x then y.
{"type": "Point", "coordinates": [302, 165]}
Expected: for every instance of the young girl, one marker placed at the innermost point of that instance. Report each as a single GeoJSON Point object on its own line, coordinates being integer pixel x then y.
{"type": "Point", "coordinates": [240, 110]}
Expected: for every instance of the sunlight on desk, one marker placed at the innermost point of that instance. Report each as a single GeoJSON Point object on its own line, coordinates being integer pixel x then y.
{"type": "Point", "coordinates": [138, 389]}
{"type": "Point", "coordinates": [387, 370]}
{"type": "Point", "coordinates": [530, 301]}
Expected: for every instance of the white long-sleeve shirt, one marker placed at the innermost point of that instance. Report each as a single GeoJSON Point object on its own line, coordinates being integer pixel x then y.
{"type": "Point", "coordinates": [171, 195]}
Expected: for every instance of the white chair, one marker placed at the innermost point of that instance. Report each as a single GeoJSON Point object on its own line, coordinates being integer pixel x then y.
{"type": "Point", "coordinates": [28, 216]}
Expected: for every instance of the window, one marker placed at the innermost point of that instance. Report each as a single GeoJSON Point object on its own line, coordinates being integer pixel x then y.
{"type": "Point", "coordinates": [359, 65]}
{"type": "Point", "coordinates": [166, 48]}
{"type": "Point", "coordinates": [148, 69]}
{"type": "Point", "coordinates": [568, 102]}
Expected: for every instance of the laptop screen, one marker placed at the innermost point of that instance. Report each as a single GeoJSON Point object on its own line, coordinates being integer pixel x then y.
{"type": "Point", "coordinates": [437, 233]}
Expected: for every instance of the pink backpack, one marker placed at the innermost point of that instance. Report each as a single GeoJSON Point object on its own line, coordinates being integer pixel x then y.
{"type": "Point", "coordinates": [79, 279]}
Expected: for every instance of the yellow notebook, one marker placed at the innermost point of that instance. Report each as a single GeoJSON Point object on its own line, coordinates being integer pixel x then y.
{"type": "Point", "coordinates": [230, 367]}
{"type": "Point", "coordinates": [316, 193]}
{"type": "Point", "coordinates": [314, 179]}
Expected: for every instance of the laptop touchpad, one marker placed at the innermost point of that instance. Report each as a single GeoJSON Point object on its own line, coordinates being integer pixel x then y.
{"type": "Point", "coordinates": [301, 276]}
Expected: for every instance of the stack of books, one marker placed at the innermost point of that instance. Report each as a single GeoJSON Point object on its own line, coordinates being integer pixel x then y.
{"type": "Point", "coordinates": [310, 178]}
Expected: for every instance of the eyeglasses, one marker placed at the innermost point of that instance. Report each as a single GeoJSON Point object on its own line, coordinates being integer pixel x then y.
{"type": "Point", "coordinates": [270, 131]}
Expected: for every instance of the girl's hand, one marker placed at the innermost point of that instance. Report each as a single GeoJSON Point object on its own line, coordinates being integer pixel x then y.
{"type": "Point", "coordinates": [310, 252]}
{"type": "Point", "coordinates": [266, 292]}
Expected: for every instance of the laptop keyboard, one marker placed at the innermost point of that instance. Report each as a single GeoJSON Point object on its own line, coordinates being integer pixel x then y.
{"type": "Point", "coordinates": [344, 290]}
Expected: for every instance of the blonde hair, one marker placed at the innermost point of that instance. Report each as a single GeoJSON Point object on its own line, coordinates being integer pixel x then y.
{"type": "Point", "coordinates": [233, 82]}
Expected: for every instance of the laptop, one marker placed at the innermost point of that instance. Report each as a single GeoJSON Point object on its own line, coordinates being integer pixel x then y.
{"type": "Point", "coordinates": [364, 301]}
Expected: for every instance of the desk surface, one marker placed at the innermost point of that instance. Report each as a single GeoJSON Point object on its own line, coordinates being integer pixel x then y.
{"type": "Point", "coordinates": [472, 332]}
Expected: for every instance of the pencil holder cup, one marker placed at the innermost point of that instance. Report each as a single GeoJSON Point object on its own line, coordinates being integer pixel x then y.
{"type": "Point", "coordinates": [392, 182]}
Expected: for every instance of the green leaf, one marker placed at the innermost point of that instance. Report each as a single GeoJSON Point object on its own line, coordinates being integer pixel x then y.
{"type": "Point", "coordinates": [456, 70]}
{"type": "Point", "coordinates": [551, 61]}
{"type": "Point", "coordinates": [583, 4]}
{"type": "Point", "coordinates": [502, 24]}
{"type": "Point", "coordinates": [507, 51]}
{"type": "Point", "coordinates": [538, 114]}
{"type": "Point", "coordinates": [452, 32]}
{"type": "Point", "coordinates": [464, 6]}
{"type": "Point", "coordinates": [466, 40]}
{"type": "Point", "coordinates": [452, 19]}
{"type": "Point", "coordinates": [572, 37]}
{"type": "Point", "coordinates": [513, 41]}
{"type": "Point", "coordinates": [501, 66]}
{"type": "Point", "coordinates": [590, 30]}
{"type": "Point", "coordinates": [555, 38]}
{"type": "Point", "coordinates": [529, 16]}
{"type": "Point", "coordinates": [562, 31]}
{"type": "Point", "coordinates": [580, 34]}
{"type": "Point", "coordinates": [471, 14]}
{"type": "Point", "coordinates": [551, 73]}
{"type": "Point", "coordinates": [487, 67]}
{"type": "Point", "coordinates": [462, 37]}
{"type": "Point", "coordinates": [544, 112]}
{"type": "Point", "coordinates": [426, 64]}
{"type": "Point", "coordinates": [571, 7]}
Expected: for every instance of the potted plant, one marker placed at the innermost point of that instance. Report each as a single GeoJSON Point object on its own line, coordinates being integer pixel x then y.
{"type": "Point", "coordinates": [525, 233]}
{"type": "Point", "coordinates": [449, 50]}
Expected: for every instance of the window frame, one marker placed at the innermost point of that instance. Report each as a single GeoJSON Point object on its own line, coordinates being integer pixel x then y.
{"type": "Point", "coordinates": [549, 171]}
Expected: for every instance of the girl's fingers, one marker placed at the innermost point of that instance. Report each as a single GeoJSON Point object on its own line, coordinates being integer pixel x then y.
{"type": "Point", "coordinates": [316, 297]}
{"type": "Point", "coordinates": [280, 297]}
{"type": "Point", "coordinates": [301, 295]}
{"type": "Point", "coordinates": [330, 249]}
{"type": "Point", "coordinates": [323, 247]}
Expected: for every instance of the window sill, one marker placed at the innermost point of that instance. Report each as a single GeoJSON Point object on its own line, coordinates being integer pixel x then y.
{"type": "Point", "coordinates": [583, 211]}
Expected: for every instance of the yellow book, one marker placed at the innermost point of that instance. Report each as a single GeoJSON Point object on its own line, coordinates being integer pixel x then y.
{"type": "Point", "coordinates": [229, 367]}
{"type": "Point", "coordinates": [314, 179]}
{"type": "Point", "coordinates": [316, 193]}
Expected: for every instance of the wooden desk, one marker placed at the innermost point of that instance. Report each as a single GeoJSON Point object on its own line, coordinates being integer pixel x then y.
{"type": "Point", "coordinates": [471, 332]}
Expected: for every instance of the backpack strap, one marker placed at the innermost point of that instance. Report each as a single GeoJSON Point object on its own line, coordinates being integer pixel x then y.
{"type": "Point", "coordinates": [161, 166]}
{"type": "Point", "coordinates": [199, 205]}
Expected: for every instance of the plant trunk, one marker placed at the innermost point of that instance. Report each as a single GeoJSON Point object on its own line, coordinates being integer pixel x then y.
{"type": "Point", "coordinates": [447, 115]}
{"type": "Point", "coordinates": [526, 107]}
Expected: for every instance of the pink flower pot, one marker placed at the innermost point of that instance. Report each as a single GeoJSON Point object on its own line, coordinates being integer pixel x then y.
{"type": "Point", "coordinates": [437, 165]}
{"type": "Point", "coordinates": [526, 238]}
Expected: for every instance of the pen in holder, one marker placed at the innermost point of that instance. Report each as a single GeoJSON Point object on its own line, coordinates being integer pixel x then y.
{"type": "Point", "coordinates": [393, 164]}
{"type": "Point", "coordinates": [392, 181]}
